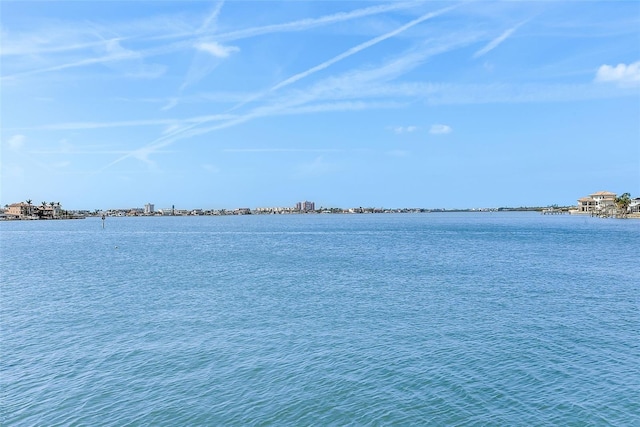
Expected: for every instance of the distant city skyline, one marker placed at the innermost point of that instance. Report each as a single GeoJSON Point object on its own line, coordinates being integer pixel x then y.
{"type": "Point", "coordinates": [382, 104]}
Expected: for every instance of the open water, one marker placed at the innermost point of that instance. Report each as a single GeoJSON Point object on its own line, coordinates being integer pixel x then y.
{"type": "Point", "coordinates": [425, 319]}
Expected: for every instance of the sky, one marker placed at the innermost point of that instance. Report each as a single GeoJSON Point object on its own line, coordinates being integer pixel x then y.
{"type": "Point", "coordinates": [227, 104]}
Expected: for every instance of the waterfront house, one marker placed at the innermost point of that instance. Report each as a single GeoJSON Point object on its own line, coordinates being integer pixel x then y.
{"type": "Point", "coordinates": [20, 210]}
{"type": "Point", "coordinates": [598, 202]}
{"type": "Point", "coordinates": [586, 204]}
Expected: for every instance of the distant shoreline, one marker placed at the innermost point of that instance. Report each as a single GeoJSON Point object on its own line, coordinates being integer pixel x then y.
{"type": "Point", "coordinates": [334, 211]}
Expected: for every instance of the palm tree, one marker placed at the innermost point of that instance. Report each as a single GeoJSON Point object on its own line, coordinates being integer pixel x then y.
{"type": "Point", "coordinates": [622, 203]}
{"type": "Point", "coordinates": [29, 206]}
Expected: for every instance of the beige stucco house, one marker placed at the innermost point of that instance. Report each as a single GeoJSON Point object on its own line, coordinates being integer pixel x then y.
{"type": "Point", "coordinates": [20, 210]}
{"type": "Point", "coordinates": [598, 202]}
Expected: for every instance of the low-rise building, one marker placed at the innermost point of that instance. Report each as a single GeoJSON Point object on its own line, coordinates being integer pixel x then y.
{"type": "Point", "coordinates": [25, 210]}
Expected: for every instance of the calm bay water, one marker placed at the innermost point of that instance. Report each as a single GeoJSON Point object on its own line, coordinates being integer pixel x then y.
{"type": "Point", "coordinates": [426, 319]}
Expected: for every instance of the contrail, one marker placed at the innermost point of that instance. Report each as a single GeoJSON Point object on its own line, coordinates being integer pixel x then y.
{"type": "Point", "coordinates": [169, 139]}
{"type": "Point", "coordinates": [497, 41]}
{"type": "Point", "coordinates": [212, 17]}
{"type": "Point", "coordinates": [189, 38]}
{"type": "Point", "coordinates": [346, 54]}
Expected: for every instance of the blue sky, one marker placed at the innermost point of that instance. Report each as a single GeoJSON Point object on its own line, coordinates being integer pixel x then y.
{"type": "Point", "coordinates": [387, 104]}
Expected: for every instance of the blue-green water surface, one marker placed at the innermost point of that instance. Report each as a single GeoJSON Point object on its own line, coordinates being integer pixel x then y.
{"type": "Point", "coordinates": [408, 319]}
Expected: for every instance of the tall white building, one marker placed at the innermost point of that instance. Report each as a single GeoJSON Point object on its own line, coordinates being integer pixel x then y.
{"type": "Point", "coordinates": [148, 209]}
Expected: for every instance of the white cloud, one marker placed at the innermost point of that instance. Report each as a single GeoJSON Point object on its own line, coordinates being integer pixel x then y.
{"type": "Point", "coordinates": [216, 49]}
{"type": "Point", "coordinates": [622, 74]}
{"type": "Point", "coordinates": [440, 129]}
{"type": "Point", "coordinates": [404, 129]}
{"type": "Point", "coordinates": [16, 142]}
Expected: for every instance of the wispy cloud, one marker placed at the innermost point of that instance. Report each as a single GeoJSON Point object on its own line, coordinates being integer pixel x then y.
{"type": "Point", "coordinates": [127, 61]}
{"type": "Point", "coordinates": [497, 41]}
{"type": "Point", "coordinates": [300, 101]}
{"type": "Point", "coordinates": [394, 68]}
{"type": "Point", "coordinates": [281, 150]}
{"type": "Point", "coordinates": [78, 41]}
{"type": "Point", "coordinates": [622, 74]}
{"type": "Point", "coordinates": [370, 81]}
{"type": "Point", "coordinates": [440, 129]}
{"type": "Point", "coordinates": [216, 49]}
{"type": "Point", "coordinates": [80, 63]}
{"type": "Point", "coordinates": [489, 93]}
{"type": "Point", "coordinates": [348, 53]}
{"type": "Point", "coordinates": [83, 152]}
{"type": "Point", "coordinates": [432, 93]}
{"type": "Point", "coordinates": [360, 48]}
{"type": "Point", "coordinates": [404, 129]}
{"type": "Point", "coordinates": [305, 24]}
{"type": "Point", "coordinates": [207, 58]}
{"type": "Point", "coordinates": [327, 107]}
{"type": "Point", "coordinates": [177, 123]}
{"type": "Point", "coordinates": [170, 104]}
{"type": "Point", "coordinates": [210, 20]}
{"type": "Point", "coordinates": [16, 142]}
